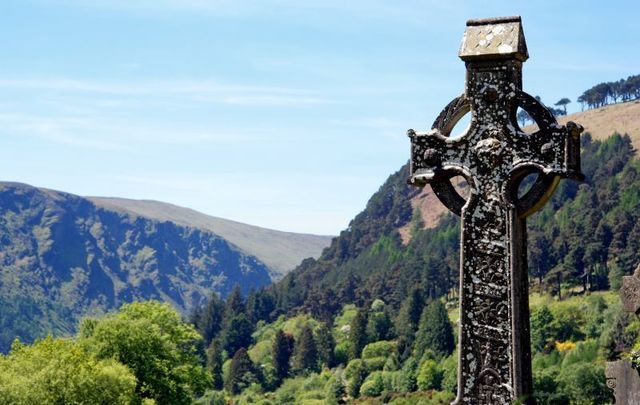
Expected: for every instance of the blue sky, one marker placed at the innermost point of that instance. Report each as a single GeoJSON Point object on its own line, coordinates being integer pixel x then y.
{"type": "Point", "coordinates": [284, 114]}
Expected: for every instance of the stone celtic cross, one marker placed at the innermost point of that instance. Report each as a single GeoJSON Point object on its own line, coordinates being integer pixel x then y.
{"type": "Point", "coordinates": [494, 156]}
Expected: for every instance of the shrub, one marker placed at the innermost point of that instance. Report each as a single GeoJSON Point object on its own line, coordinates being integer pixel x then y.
{"type": "Point", "coordinates": [381, 348]}
{"type": "Point", "coordinates": [429, 376]}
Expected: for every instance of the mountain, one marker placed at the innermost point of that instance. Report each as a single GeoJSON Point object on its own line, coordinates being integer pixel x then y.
{"type": "Point", "coordinates": [587, 236]}
{"type": "Point", "coordinates": [65, 256]}
{"type": "Point", "coordinates": [280, 251]}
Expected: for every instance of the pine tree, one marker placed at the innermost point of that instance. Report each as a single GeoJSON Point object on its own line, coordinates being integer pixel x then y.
{"type": "Point", "coordinates": [237, 333]}
{"type": "Point", "coordinates": [214, 363]}
{"type": "Point", "coordinates": [326, 345]}
{"type": "Point", "coordinates": [409, 317]}
{"type": "Point", "coordinates": [358, 333]}
{"type": "Point", "coordinates": [281, 353]}
{"type": "Point", "coordinates": [242, 372]}
{"type": "Point", "coordinates": [208, 320]}
{"type": "Point", "coordinates": [234, 305]}
{"type": "Point", "coordinates": [435, 332]}
{"type": "Point", "coordinates": [305, 359]}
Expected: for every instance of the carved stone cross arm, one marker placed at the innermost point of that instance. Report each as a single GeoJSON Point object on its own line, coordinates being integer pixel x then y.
{"type": "Point", "coordinates": [494, 156]}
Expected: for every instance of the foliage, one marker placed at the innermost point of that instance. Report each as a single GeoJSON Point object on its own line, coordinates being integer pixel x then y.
{"type": "Point", "coordinates": [242, 372]}
{"type": "Point", "coordinates": [429, 375]}
{"type": "Point", "coordinates": [611, 92]}
{"type": "Point", "coordinates": [305, 358]}
{"type": "Point", "coordinates": [159, 348]}
{"type": "Point", "coordinates": [435, 332]}
{"type": "Point", "coordinates": [237, 333]}
{"type": "Point", "coordinates": [281, 353]}
{"type": "Point", "coordinates": [358, 333]}
{"type": "Point", "coordinates": [59, 371]}
{"type": "Point", "coordinates": [214, 363]}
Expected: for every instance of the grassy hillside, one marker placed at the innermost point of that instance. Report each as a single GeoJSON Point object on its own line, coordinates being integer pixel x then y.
{"type": "Point", "coordinates": [623, 118]}
{"type": "Point", "coordinates": [280, 251]}
{"type": "Point", "coordinates": [601, 123]}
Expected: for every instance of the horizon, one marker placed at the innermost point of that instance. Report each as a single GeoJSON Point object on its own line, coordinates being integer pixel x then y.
{"type": "Point", "coordinates": [283, 115]}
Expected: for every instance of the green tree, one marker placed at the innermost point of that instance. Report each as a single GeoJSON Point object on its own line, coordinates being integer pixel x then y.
{"type": "Point", "coordinates": [355, 373]}
{"type": "Point", "coordinates": [435, 332]}
{"type": "Point", "coordinates": [408, 375]}
{"type": "Point", "coordinates": [334, 388]}
{"type": "Point", "coordinates": [542, 330]}
{"type": "Point", "coordinates": [281, 350]}
{"type": "Point", "coordinates": [358, 333]}
{"type": "Point", "coordinates": [214, 363]}
{"type": "Point", "coordinates": [429, 376]}
{"type": "Point", "coordinates": [160, 349]}
{"type": "Point", "coordinates": [208, 319]}
{"type": "Point", "coordinates": [242, 372]}
{"type": "Point", "coordinates": [379, 326]}
{"type": "Point", "coordinates": [409, 317]}
{"type": "Point", "coordinates": [305, 359]}
{"type": "Point", "coordinates": [615, 276]}
{"type": "Point", "coordinates": [586, 384]}
{"type": "Point", "coordinates": [237, 333]}
{"type": "Point", "coordinates": [60, 371]}
{"type": "Point", "coordinates": [234, 305]}
{"type": "Point", "coordinates": [326, 345]}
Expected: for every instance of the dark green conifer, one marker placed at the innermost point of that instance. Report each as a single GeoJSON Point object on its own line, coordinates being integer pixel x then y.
{"type": "Point", "coordinates": [237, 333]}
{"type": "Point", "coordinates": [358, 333]}
{"type": "Point", "coordinates": [305, 359]}
{"type": "Point", "coordinates": [435, 332]}
{"type": "Point", "coordinates": [281, 353]}
{"type": "Point", "coordinates": [242, 372]}
{"type": "Point", "coordinates": [214, 363]}
{"type": "Point", "coordinates": [326, 345]}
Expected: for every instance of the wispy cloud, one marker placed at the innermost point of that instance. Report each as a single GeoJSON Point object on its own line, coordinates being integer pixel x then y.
{"type": "Point", "coordinates": [405, 11]}
{"type": "Point", "coordinates": [88, 132]}
{"type": "Point", "coordinates": [203, 91]}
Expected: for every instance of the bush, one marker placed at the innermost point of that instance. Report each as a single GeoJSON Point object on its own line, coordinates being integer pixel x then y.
{"type": "Point", "coordinates": [450, 373]}
{"type": "Point", "coordinates": [59, 371]}
{"type": "Point", "coordinates": [408, 376]}
{"type": "Point", "coordinates": [356, 372]}
{"type": "Point", "coordinates": [429, 376]}
{"type": "Point", "coordinates": [382, 348]}
{"type": "Point", "coordinates": [375, 364]}
{"type": "Point", "coordinates": [373, 386]}
{"type": "Point", "coordinates": [586, 384]}
{"type": "Point", "coordinates": [584, 352]}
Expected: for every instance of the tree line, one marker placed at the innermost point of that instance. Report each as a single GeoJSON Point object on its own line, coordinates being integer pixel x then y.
{"type": "Point", "coordinates": [611, 92]}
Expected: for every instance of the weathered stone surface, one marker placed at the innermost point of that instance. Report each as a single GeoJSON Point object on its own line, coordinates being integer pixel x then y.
{"type": "Point", "coordinates": [630, 292]}
{"type": "Point", "coordinates": [494, 156]}
{"type": "Point", "coordinates": [625, 381]}
{"type": "Point", "coordinates": [622, 378]}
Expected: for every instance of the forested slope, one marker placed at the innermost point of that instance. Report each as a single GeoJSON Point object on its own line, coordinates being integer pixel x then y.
{"type": "Point", "coordinates": [588, 232]}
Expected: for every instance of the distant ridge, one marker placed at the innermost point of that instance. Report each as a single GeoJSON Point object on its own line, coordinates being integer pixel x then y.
{"type": "Point", "coordinates": [280, 251]}
{"type": "Point", "coordinates": [601, 123]}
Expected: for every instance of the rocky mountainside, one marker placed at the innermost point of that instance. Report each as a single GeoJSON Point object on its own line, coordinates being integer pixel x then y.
{"type": "Point", "coordinates": [63, 256]}
{"type": "Point", "coordinates": [280, 251]}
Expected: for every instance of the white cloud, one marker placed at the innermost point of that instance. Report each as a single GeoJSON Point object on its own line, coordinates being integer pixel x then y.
{"type": "Point", "coordinates": [204, 91]}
